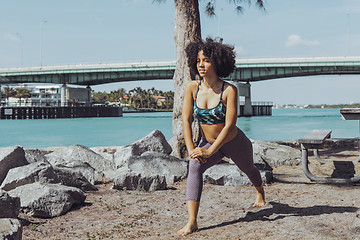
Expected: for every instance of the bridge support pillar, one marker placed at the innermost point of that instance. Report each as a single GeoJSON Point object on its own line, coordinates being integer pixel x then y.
{"type": "Point", "coordinates": [63, 96]}
{"type": "Point", "coordinates": [89, 96]}
{"type": "Point", "coordinates": [244, 89]}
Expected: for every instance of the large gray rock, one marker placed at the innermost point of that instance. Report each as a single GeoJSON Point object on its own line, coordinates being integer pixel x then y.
{"type": "Point", "coordinates": [89, 163]}
{"type": "Point", "coordinates": [43, 172]}
{"type": "Point", "coordinates": [34, 155]}
{"type": "Point", "coordinates": [9, 206]}
{"type": "Point", "coordinates": [228, 174]}
{"type": "Point", "coordinates": [150, 171]}
{"type": "Point", "coordinates": [107, 152]}
{"type": "Point", "coordinates": [83, 154]}
{"type": "Point", "coordinates": [34, 172]}
{"type": "Point", "coordinates": [128, 180]}
{"type": "Point", "coordinates": [10, 229]}
{"type": "Point", "coordinates": [47, 200]}
{"type": "Point", "coordinates": [73, 178]}
{"type": "Point", "coordinates": [152, 164]}
{"type": "Point", "coordinates": [153, 142]}
{"type": "Point", "coordinates": [275, 154]}
{"type": "Point", "coordinates": [11, 157]}
{"type": "Point", "coordinates": [86, 170]}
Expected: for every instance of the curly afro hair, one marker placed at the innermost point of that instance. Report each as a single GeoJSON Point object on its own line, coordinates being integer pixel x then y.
{"type": "Point", "coordinates": [222, 56]}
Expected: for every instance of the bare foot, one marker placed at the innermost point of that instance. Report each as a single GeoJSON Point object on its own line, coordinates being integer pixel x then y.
{"type": "Point", "coordinates": [189, 228]}
{"type": "Point", "coordinates": [260, 197]}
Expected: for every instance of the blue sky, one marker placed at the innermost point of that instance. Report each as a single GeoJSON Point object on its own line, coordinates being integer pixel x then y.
{"type": "Point", "coordinates": [93, 31]}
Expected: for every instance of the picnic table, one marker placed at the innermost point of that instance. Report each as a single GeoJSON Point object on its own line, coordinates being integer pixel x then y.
{"type": "Point", "coordinates": [351, 114]}
{"type": "Point", "coordinates": [315, 140]}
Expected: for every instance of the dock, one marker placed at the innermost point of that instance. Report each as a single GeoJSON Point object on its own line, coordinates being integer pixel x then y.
{"type": "Point", "coordinates": [59, 112]}
{"type": "Point", "coordinates": [258, 109]}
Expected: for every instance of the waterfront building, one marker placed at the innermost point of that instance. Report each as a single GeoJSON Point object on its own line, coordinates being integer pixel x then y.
{"type": "Point", "coordinates": [49, 96]}
{"type": "Point", "coordinates": [159, 100]}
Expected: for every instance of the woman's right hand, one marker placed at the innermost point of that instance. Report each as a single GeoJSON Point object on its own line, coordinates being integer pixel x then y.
{"type": "Point", "coordinates": [198, 158]}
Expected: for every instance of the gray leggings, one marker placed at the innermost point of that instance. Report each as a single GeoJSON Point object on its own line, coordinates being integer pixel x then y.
{"type": "Point", "coordinates": [241, 153]}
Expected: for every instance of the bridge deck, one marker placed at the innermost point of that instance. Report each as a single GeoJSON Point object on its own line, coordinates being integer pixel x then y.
{"type": "Point", "coordinates": [247, 70]}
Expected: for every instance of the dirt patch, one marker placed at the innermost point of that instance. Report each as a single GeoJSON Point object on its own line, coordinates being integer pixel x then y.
{"type": "Point", "coordinates": [296, 209]}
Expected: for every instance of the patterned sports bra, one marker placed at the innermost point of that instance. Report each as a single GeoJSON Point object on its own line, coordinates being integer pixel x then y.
{"type": "Point", "coordinates": [213, 115]}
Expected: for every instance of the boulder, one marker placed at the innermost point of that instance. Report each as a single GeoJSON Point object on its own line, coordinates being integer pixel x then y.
{"type": "Point", "coordinates": [276, 154]}
{"type": "Point", "coordinates": [122, 155]}
{"type": "Point", "coordinates": [128, 180]}
{"type": "Point", "coordinates": [83, 154]}
{"type": "Point", "coordinates": [10, 229]}
{"type": "Point", "coordinates": [150, 171]}
{"type": "Point", "coordinates": [228, 174]}
{"type": "Point", "coordinates": [47, 200]}
{"type": "Point", "coordinates": [43, 172]}
{"type": "Point", "coordinates": [73, 178]}
{"type": "Point", "coordinates": [86, 170]}
{"type": "Point", "coordinates": [34, 172]}
{"type": "Point", "coordinates": [151, 163]}
{"type": "Point", "coordinates": [106, 152]}
{"type": "Point", "coordinates": [90, 164]}
{"type": "Point", "coordinates": [9, 206]}
{"type": "Point", "coordinates": [11, 157]}
{"type": "Point", "coordinates": [34, 155]}
{"type": "Point", "coordinates": [153, 142]}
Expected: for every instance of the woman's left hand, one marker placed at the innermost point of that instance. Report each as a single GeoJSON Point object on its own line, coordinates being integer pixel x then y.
{"type": "Point", "coordinates": [199, 152]}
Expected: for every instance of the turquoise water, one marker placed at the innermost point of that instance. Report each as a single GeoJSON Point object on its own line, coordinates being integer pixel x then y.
{"type": "Point", "coordinates": [285, 124]}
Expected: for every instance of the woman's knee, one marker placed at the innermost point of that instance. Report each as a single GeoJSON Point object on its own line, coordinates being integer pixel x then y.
{"type": "Point", "coordinates": [194, 166]}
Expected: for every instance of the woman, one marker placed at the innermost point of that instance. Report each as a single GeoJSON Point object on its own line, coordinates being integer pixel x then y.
{"type": "Point", "coordinates": [214, 103]}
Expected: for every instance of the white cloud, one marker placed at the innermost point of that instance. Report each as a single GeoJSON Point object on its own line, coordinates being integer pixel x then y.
{"type": "Point", "coordinates": [11, 37]}
{"type": "Point", "coordinates": [296, 40]}
{"type": "Point", "coordinates": [240, 50]}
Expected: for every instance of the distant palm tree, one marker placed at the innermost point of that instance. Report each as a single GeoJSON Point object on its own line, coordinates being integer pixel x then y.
{"type": "Point", "coordinates": [8, 92]}
{"type": "Point", "coordinates": [22, 93]}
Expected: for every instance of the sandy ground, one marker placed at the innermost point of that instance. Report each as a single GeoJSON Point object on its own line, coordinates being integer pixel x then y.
{"type": "Point", "coordinates": [296, 209]}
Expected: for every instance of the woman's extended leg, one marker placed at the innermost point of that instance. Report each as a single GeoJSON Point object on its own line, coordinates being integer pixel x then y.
{"type": "Point", "coordinates": [194, 187]}
{"type": "Point", "coordinates": [241, 153]}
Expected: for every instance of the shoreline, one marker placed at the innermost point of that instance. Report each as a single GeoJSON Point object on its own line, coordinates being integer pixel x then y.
{"type": "Point", "coordinates": [145, 111]}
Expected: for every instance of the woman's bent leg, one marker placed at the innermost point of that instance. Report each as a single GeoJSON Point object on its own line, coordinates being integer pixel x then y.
{"type": "Point", "coordinates": [191, 226]}
{"type": "Point", "coordinates": [194, 188]}
{"type": "Point", "coordinates": [195, 176]}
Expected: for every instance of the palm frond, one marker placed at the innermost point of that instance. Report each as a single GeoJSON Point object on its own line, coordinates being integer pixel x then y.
{"type": "Point", "coordinates": [210, 8]}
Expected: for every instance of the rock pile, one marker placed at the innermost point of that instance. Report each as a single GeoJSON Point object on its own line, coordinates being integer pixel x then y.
{"type": "Point", "coordinates": [49, 182]}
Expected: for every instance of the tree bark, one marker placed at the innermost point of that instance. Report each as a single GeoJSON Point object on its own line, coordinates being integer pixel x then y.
{"type": "Point", "coordinates": [187, 29]}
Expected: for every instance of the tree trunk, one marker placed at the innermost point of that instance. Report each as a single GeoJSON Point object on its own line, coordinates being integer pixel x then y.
{"type": "Point", "coordinates": [187, 29]}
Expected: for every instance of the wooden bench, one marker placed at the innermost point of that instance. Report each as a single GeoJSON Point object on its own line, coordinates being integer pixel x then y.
{"type": "Point", "coordinates": [315, 140]}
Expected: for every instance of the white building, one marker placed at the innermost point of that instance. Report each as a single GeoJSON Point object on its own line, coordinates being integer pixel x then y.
{"type": "Point", "coordinates": [50, 95]}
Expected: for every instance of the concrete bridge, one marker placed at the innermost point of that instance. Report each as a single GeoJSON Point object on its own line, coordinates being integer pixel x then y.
{"type": "Point", "coordinates": [247, 70]}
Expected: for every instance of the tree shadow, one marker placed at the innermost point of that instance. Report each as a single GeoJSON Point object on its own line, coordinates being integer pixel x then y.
{"type": "Point", "coordinates": [281, 211]}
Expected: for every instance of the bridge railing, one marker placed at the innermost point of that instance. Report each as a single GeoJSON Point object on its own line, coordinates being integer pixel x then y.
{"type": "Point", "coordinates": [258, 103]}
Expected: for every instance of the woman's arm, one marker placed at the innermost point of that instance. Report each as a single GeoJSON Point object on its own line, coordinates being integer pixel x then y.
{"type": "Point", "coordinates": [230, 125]}
{"type": "Point", "coordinates": [187, 115]}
